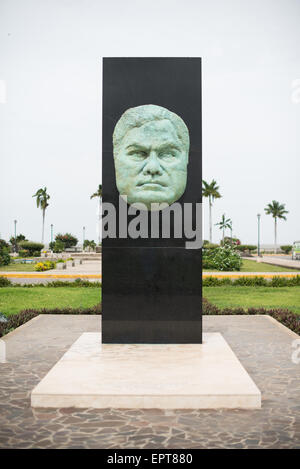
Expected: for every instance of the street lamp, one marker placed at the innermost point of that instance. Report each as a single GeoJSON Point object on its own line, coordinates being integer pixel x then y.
{"type": "Point", "coordinates": [258, 234]}
{"type": "Point", "coordinates": [15, 222]}
{"type": "Point", "coordinates": [83, 237]}
{"type": "Point", "coordinates": [51, 232]}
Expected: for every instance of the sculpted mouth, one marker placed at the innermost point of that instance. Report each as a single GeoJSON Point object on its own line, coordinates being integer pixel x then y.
{"type": "Point", "coordinates": [151, 183]}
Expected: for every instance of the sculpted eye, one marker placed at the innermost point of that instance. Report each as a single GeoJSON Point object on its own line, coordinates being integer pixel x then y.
{"type": "Point", "coordinates": [138, 154]}
{"type": "Point", "coordinates": [168, 154]}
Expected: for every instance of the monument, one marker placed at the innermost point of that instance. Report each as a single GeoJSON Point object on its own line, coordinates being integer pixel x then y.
{"type": "Point", "coordinates": [152, 353]}
{"type": "Point", "coordinates": [152, 160]}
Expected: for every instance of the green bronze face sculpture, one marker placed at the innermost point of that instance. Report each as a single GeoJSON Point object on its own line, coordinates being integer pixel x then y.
{"type": "Point", "coordinates": [151, 149]}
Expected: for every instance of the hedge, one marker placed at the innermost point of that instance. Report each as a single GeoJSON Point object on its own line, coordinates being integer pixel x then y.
{"type": "Point", "coordinates": [5, 282]}
{"type": "Point", "coordinates": [284, 316]}
{"type": "Point", "coordinates": [253, 281]}
{"type": "Point", "coordinates": [31, 247]}
{"type": "Point", "coordinates": [16, 320]}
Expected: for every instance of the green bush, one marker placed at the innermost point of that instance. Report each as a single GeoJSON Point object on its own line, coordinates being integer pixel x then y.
{"type": "Point", "coordinates": [58, 246]}
{"type": "Point", "coordinates": [253, 281]}
{"type": "Point", "coordinates": [4, 253]}
{"type": "Point", "coordinates": [223, 258]}
{"type": "Point", "coordinates": [67, 239]}
{"type": "Point", "coordinates": [286, 248]}
{"type": "Point", "coordinates": [16, 320]}
{"type": "Point", "coordinates": [246, 247]}
{"type": "Point", "coordinates": [5, 282]}
{"type": "Point", "coordinates": [211, 246]}
{"type": "Point", "coordinates": [284, 316]}
{"type": "Point", "coordinates": [24, 253]}
{"type": "Point", "coordinates": [42, 266]}
{"type": "Point", "coordinates": [31, 247]}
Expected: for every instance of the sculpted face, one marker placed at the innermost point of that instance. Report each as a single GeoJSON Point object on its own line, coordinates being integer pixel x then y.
{"type": "Point", "coordinates": [151, 162]}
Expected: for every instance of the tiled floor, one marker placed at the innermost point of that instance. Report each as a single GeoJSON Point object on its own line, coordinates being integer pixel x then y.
{"type": "Point", "coordinates": [263, 347]}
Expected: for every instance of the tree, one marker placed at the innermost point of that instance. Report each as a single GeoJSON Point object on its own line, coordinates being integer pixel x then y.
{"type": "Point", "coordinates": [42, 202]}
{"type": "Point", "coordinates": [89, 244]}
{"type": "Point", "coordinates": [223, 225]}
{"type": "Point", "coordinates": [210, 190]}
{"type": "Point", "coordinates": [277, 210]}
{"type": "Point", "coordinates": [98, 194]}
{"type": "Point", "coordinates": [15, 241]}
{"type": "Point", "coordinates": [67, 239]}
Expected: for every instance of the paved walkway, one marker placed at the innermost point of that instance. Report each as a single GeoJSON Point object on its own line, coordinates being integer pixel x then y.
{"type": "Point", "coordinates": [281, 261]}
{"type": "Point", "coordinates": [262, 345]}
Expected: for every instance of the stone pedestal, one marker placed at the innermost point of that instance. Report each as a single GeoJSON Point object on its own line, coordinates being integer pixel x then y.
{"type": "Point", "coordinates": [165, 376]}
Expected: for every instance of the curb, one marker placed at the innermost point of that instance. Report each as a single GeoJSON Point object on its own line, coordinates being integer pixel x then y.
{"type": "Point", "coordinates": [4, 274]}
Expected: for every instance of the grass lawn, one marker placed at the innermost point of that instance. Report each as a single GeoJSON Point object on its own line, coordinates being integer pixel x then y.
{"type": "Point", "coordinates": [13, 300]}
{"type": "Point", "coordinates": [253, 266]}
{"type": "Point", "coordinates": [17, 268]}
{"type": "Point", "coordinates": [246, 297]}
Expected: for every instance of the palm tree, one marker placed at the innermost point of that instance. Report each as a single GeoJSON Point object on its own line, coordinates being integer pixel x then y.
{"type": "Point", "coordinates": [223, 224]}
{"type": "Point", "coordinates": [98, 194]}
{"type": "Point", "coordinates": [277, 210]}
{"type": "Point", "coordinates": [212, 192]}
{"type": "Point", "coordinates": [42, 202]}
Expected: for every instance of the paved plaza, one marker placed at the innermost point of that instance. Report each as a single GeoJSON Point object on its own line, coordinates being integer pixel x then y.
{"type": "Point", "coordinates": [263, 346]}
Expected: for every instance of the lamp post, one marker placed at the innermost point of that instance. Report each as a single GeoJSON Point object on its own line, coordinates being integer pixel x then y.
{"type": "Point", "coordinates": [258, 234]}
{"type": "Point", "coordinates": [15, 222]}
{"type": "Point", "coordinates": [51, 232]}
{"type": "Point", "coordinates": [83, 237]}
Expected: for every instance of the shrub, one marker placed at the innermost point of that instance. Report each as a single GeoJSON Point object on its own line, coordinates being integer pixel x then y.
{"type": "Point", "coordinates": [67, 239]}
{"type": "Point", "coordinates": [16, 320]}
{"type": "Point", "coordinates": [284, 316]}
{"type": "Point", "coordinates": [36, 254]}
{"type": "Point", "coordinates": [286, 248]}
{"type": "Point", "coordinates": [231, 241]}
{"type": "Point", "coordinates": [24, 253]}
{"type": "Point", "coordinates": [42, 266]}
{"type": "Point", "coordinates": [5, 282]}
{"type": "Point", "coordinates": [253, 281]}
{"type": "Point", "coordinates": [31, 247]}
{"type": "Point", "coordinates": [211, 246]}
{"type": "Point", "coordinates": [223, 258]}
{"type": "Point", "coordinates": [4, 253]}
{"type": "Point", "coordinates": [58, 246]}
{"type": "Point", "coordinates": [246, 247]}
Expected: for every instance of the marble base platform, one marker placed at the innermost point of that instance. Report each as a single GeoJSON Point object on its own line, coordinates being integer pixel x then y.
{"type": "Point", "coordinates": [168, 376]}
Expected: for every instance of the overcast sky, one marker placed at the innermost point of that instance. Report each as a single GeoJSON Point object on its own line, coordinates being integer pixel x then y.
{"type": "Point", "coordinates": [50, 104]}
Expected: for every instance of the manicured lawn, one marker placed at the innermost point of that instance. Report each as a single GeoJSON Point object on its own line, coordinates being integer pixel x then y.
{"type": "Point", "coordinates": [246, 297]}
{"type": "Point", "coordinates": [253, 266]}
{"type": "Point", "coordinates": [13, 300]}
{"type": "Point", "coordinates": [17, 268]}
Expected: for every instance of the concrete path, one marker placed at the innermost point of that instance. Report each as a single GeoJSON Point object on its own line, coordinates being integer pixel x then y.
{"type": "Point", "coordinates": [263, 346]}
{"type": "Point", "coordinates": [281, 261]}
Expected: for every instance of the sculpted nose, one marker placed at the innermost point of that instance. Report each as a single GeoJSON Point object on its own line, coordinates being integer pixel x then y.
{"type": "Point", "coordinates": [152, 165]}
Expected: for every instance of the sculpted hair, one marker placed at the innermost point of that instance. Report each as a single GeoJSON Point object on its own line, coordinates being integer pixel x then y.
{"type": "Point", "coordinates": [140, 115]}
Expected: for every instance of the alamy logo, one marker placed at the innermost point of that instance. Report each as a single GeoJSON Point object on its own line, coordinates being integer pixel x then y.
{"type": "Point", "coordinates": [162, 217]}
{"type": "Point", "coordinates": [296, 352]}
{"type": "Point", "coordinates": [296, 91]}
{"type": "Point", "coordinates": [2, 351]}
